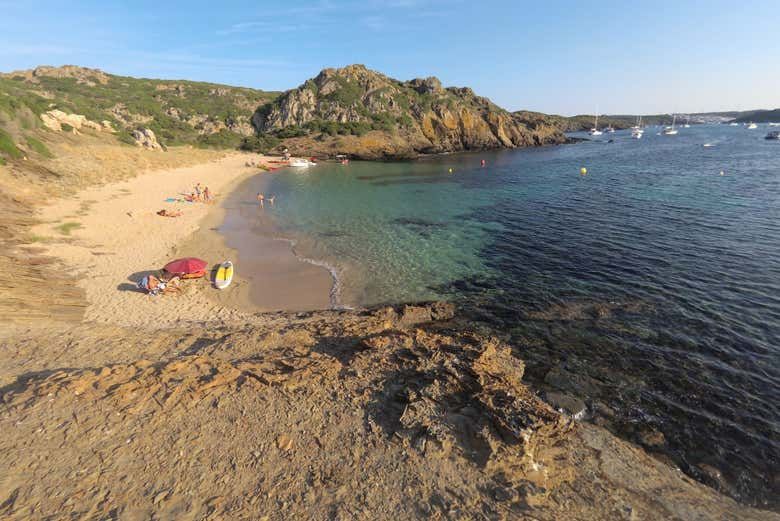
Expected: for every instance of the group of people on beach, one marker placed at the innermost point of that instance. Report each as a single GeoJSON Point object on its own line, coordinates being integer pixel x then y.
{"type": "Point", "coordinates": [261, 198]}
{"type": "Point", "coordinates": [201, 194]}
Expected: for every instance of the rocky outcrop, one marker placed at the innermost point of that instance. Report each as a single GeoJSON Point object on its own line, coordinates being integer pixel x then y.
{"type": "Point", "coordinates": [82, 75]}
{"type": "Point", "coordinates": [429, 117]}
{"type": "Point", "coordinates": [55, 119]}
{"type": "Point", "coordinates": [145, 138]}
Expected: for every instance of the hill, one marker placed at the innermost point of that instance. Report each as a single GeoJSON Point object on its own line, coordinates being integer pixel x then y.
{"type": "Point", "coordinates": [177, 112]}
{"type": "Point", "coordinates": [357, 111]}
{"type": "Point", "coordinates": [759, 116]}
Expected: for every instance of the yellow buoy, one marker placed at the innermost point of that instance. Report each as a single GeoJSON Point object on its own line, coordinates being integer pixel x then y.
{"type": "Point", "coordinates": [583, 171]}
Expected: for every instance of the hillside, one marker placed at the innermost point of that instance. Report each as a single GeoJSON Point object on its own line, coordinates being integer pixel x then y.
{"type": "Point", "coordinates": [356, 111]}
{"type": "Point", "coordinates": [759, 116]}
{"type": "Point", "coordinates": [177, 112]}
{"type": "Point", "coordinates": [585, 121]}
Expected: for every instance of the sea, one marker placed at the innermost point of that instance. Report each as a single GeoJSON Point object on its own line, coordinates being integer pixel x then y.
{"type": "Point", "coordinates": [645, 287]}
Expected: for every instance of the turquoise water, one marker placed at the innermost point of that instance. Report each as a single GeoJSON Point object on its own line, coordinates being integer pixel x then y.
{"type": "Point", "coordinates": [653, 280]}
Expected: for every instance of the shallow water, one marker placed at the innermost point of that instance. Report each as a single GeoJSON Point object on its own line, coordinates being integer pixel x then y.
{"type": "Point", "coordinates": [653, 279]}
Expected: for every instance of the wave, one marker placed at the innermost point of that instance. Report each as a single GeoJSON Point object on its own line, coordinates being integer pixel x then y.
{"type": "Point", "coordinates": [336, 287]}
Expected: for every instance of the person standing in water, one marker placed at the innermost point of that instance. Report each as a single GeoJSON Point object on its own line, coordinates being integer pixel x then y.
{"type": "Point", "coordinates": [483, 163]}
{"type": "Point", "coordinates": [261, 199]}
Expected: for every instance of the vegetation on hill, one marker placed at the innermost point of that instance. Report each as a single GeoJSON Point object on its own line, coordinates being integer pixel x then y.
{"type": "Point", "coordinates": [759, 116]}
{"type": "Point", "coordinates": [178, 112]}
{"type": "Point", "coordinates": [361, 112]}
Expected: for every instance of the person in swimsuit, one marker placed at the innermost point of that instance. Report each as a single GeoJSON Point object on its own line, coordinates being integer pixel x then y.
{"type": "Point", "coordinates": [261, 199]}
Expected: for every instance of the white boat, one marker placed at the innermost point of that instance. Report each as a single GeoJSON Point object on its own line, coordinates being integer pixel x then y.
{"type": "Point", "coordinates": [637, 131]}
{"type": "Point", "coordinates": [671, 131]}
{"type": "Point", "coordinates": [687, 122]}
{"type": "Point", "coordinates": [774, 124]}
{"type": "Point", "coordinates": [734, 124]}
{"type": "Point", "coordinates": [609, 129]}
{"type": "Point", "coordinates": [301, 163]}
{"type": "Point", "coordinates": [595, 130]}
{"type": "Point", "coordinates": [752, 126]}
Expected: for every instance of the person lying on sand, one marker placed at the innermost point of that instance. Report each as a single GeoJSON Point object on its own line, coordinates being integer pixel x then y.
{"type": "Point", "coordinates": [170, 213]}
{"type": "Point", "coordinates": [154, 286]}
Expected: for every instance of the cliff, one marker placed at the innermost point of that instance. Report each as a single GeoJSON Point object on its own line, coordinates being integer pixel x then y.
{"type": "Point", "coordinates": [378, 116]}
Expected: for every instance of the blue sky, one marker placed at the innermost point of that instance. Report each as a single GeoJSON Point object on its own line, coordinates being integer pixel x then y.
{"type": "Point", "coordinates": [561, 57]}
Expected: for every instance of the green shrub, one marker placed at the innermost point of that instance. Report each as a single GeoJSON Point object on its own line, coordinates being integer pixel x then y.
{"type": "Point", "coordinates": [262, 143]}
{"type": "Point", "coordinates": [66, 127]}
{"type": "Point", "coordinates": [8, 147]}
{"type": "Point", "coordinates": [38, 147]}
{"type": "Point", "coordinates": [289, 132]}
{"type": "Point", "coordinates": [221, 139]}
{"type": "Point", "coordinates": [124, 136]}
{"type": "Point", "coordinates": [67, 227]}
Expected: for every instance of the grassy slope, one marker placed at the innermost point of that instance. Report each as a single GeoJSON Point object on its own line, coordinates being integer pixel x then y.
{"type": "Point", "coordinates": [22, 102]}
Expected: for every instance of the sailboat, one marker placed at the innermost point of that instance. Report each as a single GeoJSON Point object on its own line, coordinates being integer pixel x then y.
{"type": "Point", "coordinates": [671, 131]}
{"type": "Point", "coordinates": [595, 130]}
{"type": "Point", "coordinates": [637, 131]}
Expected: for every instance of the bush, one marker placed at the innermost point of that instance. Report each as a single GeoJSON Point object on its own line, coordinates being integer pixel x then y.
{"type": "Point", "coordinates": [262, 143]}
{"type": "Point", "coordinates": [221, 139]}
{"type": "Point", "coordinates": [125, 137]}
{"type": "Point", "coordinates": [289, 132]}
{"type": "Point", "coordinates": [66, 127]}
{"type": "Point", "coordinates": [8, 147]}
{"type": "Point", "coordinates": [38, 147]}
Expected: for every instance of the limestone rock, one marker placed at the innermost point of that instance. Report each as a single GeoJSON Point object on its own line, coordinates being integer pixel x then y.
{"type": "Point", "coordinates": [54, 119]}
{"type": "Point", "coordinates": [145, 138]}
{"type": "Point", "coordinates": [82, 75]}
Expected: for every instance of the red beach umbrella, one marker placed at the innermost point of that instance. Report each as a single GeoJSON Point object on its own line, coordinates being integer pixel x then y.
{"type": "Point", "coordinates": [186, 266]}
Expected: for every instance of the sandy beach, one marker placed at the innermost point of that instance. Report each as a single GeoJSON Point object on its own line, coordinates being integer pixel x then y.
{"type": "Point", "coordinates": [110, 236]}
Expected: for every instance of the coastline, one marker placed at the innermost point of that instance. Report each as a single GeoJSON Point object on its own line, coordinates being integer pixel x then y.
{"type": "Point", "coordinates": [110, 236]}
{"type": "Point", "coordinates": [274, 393]}
{"type": "Point", "coordinates": [273, 276]}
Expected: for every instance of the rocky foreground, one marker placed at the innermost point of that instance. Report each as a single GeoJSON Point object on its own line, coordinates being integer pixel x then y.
{"type": "Point", "coordinates": [385, 414]}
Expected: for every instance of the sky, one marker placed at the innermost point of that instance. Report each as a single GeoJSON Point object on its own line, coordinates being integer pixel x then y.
{"type": "Point", "coordinates": [562, 57]}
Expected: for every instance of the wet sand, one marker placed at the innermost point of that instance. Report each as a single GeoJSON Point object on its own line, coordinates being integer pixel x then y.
{"type": "Point", "coordinates": [270, 277]}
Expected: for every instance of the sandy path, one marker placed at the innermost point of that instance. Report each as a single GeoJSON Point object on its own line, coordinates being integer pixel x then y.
{"type": "Point", "coordinates": [120, 236]}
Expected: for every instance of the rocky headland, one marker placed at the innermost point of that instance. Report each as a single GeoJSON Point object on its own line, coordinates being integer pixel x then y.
{"type": "Point", "coordinates": [365, 114]}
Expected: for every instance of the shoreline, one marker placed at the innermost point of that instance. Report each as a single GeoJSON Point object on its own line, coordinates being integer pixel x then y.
{"type": "Point", "coordinates": [110, 236]}
{"type": "Point", "coordinates": [271, 275]}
